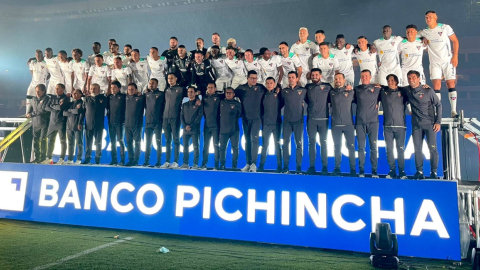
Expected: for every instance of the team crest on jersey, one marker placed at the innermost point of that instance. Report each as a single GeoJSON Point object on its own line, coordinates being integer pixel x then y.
{"type": "Point", "coordinates": [346, 94]}
{"type": "Point", "coordinates": [419, 47]}
{"type": "Point", "coordinates": [194, 106]}
{"type": "Point", "coordinates": [156, 96]}
{"type": "Point", "coordinates": [103, 72]}
{"type": "Point", "coordinates": [440, 33]}
{"type": "Point", "coordinates": [346, 52]}
{"type": "Point", "coordinates": [41, 101]}
{"type": "Point", "coordinates": [288, 63]}
{"type": "Point", "coordinates": [371, 53]}
{"type": "Point", "coordinates": [221, 61]}
{"type": "Point", "coordinates": [322, 87]}
{"type": "Point", "coordinates": [232, 106]}
{"type": "Point", "coordinates": [453, 98]}
{"type": "Point", "coordinates": [271, 64]}
{"type": "Point", "coordinates": [101, 101]}
{"type": "Point", "coordinates": [118, 97]}
{"type": "Point", "coordinates": [176, 91]}
{"type": "Point", "coordinates": [56, 61]}
{"type": "Point", "coordinates": [331, 64]}
{"type": "Point", "coordinates": [421, 95]}
{"type": "Point", "coordinates": [214, 99]}
{"type": "Point", "coordinates": [399, 94]}
{"type": "Point", "coordinates": [255, 88]}
{"type": "Point", "coordinates": [372, 89]}
{"type": "Point", "coordinates": [236, 62]}
{"type": "Point", "coordinates": [136, 99]}
{"type": "Point", "coordinates": [141, 66]}
{"type": "Point", "coordinates": [299, 92]}
{"type": "Point", "coordinates": [393, 43]}
{"type": "Point", "coordinates": [255, 64]}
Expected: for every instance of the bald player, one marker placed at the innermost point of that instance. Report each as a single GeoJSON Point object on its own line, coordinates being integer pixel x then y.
{"type": "Point", "coordinates": [304, 49]}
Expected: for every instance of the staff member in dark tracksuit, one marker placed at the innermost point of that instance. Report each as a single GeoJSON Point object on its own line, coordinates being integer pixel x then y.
{"type": "Point", "coordinates": [58, 122]}
{"type": "Point", "coordinates": [174, 95]}
{"type": "Point", "coordinates": [317, 121]}
{"type": "Point", "coordinates": [94, 106]}
{"type": "Point", "coordinates": [154, 106]}
{"type": "Point", "coordinates": [135, 106]}
{"type": "Point", "coordinates": [251, 95]}
{"type": "Point", "coordinates": [40, 121]}
{"type": "Point", "coordinates": [75, 114]}
{"type": "Point", "coordinates": [293, 98]}
{"type": "Point", "coordinates": [191, 115]}
{"type": "Point", "coordinates": [366, 120]}
{"type": "Point", "coordinates": [394, 127]}
{"type": "Point", "coordinates": [230, 112]}
{"type": "Point", "coordinates": [211, 105]}
{"type": "Point", "coordinates": [426, 119]}
{"type": "Point", "coordinates": [181, 67]}
{"type": "Point", "coordinates": [116, 122]}
{"type": "Point", "coordinates": [272, 123]}
{"type": "Point", "coordinates": [202, 73]}
{"type": "Point", "coordinates": [341, 101]}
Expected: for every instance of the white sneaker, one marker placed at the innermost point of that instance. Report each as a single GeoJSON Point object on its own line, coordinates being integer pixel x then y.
{"type": "Point", "coordinates": [165, 165]}
{"type": "Point", "coordinates": [184, 166]}
{"type": "Point", "coordinates": [174, 165]}
{"type": "Point", "coordinates": [246, 168]}
{"type": "Point", "coordinates": [195, 167]}
{"type": "Point", "coordinates": [253, 168]}
{"type": "Point", "coordinates": [47, 161]}
{"type": "Point", "coordinates": [60, 162]}
{"type": "Point", "coordinates": [69, 162]}
{"type": "Point", "coordinates": [78, 162]}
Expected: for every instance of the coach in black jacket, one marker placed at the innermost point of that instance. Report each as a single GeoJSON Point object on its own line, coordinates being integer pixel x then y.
{"type": "Point", "coordinates": [94, 106]}
{"type": "Point", "coordinates": [40, 118]}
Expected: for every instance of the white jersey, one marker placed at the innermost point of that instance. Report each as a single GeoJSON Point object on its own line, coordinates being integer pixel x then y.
{"type": "Point", "coordinates": [222, 71]}
{"type": "Point", "coordinates": [79, 69]}
{"type": "Point", "coordinates": [100, 75]}
{"type": "Point", "coordinates": [367, 60]}
{"type": "Point", "coordinates": [270, 67]}
{"type": "Point", "coordinates": [121, 75]}
{"type": "Point", "coordinates": [39, 75]}
{"type": "Point", "coordinates": [344, 58]}
{"type": "Point", "coordinates": [54, 69]}
{"type": "Point", "coordinates": [106, 54]}
{"type": "Point", "coordinates": [290, 63]}
{"type": "Point", "coordinates": [67, 72]}
{"type": "Point", "coordinates": [157, 67]}
{"type": "Point", "coordinates": [388, 52]}
{"type": "Point", "coordinates": [140, 73]}
{"type": "Point", "coordinates": [110, 59]}
{"type": "Point", "coordinates": [223, 50]}
{"type": "Point", "coordinates": [411, 54]}
{"type": "Point", "coordinates": [304, 51]}
{"type": "Point", "coordinates": [254, 65]}
{"type": "Point", "coordinates": [439, 47]}
{"type": "Point", "coordinates": [328, 67]}
{"type": "Point", "coordinates": [91, 61]}
{"type": "Point", "coordinates": [237, 67]}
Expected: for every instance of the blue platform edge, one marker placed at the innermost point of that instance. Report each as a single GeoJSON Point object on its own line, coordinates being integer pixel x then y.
{"type": "Point", "coordinates": [311, 211]}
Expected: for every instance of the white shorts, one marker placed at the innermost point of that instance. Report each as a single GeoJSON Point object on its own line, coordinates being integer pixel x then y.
{"type": "Point", "coordinates": [382, 76]}
{"type": "Point", "coordinates": [68, 84]}
{"type": "Point", "coordinates": [162, 84]}
{"type": "Point", "coordinates": [31, 90]}
{"type": "Point", "coordinates": [78, 85]}
{"type": "Point", "coordinates": [51, 86]}
{"type": "Point", "coordinates": [446, 69]}
{"type": "Point", "coordinates": [303, 79]}
{"type": "Point", "coordinates": [405, 77]}
{"type": "Point", "coordinates": [237, 80]}
{"type": "Point", "coordinates": [222, 84]}
{"type": "Point", "coordinates": [350, 79]}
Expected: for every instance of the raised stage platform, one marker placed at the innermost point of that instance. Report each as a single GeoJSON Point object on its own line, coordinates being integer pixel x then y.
{"type": "Point", "coordinates": [314, 211]}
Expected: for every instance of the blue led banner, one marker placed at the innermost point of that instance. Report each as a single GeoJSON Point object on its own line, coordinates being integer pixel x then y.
{"type": "Point", "coordinates": [313, 211]}
{"type": "Point", "coordinates": [383, 167]}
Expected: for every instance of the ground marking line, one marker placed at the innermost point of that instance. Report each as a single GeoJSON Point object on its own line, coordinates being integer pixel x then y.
{"type": "Point", "coordinates": [85, 252]}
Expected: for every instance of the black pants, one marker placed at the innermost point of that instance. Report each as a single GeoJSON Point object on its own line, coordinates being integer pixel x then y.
{"type": "Point", "coordinates": [97, 134]}
{"type": "Point", "coordinates": [158, 142]}
{"type": "Point", "coordinates": [72, 136]}
{"type": "Point", "coordinates": [267, 131]}
{"type": "Point", "coordinates": [40, 143]}
{"type": "Point", "coordinates": [134, 137]}
{"type": "Point", "coordinates": [196, 151]}
{"type": "Point", "coordinates": [347, 131]}
{"type": "Point", "coordinates": [251, 131]}
{"type": "Point", "coordinates": [51, 135]}
{"type": "Point", "coordinates": [234, 139]}
{"type": "Point", "coordinates": [117, 133]}
{"type": "Point", "coordinates": [397, 133]}
{"type": "Point", "coordinates": [372, 131]}
{"type": "Point", "coordinates": [208, 134]}
{"type": "Point", "coordinates": [418, 133]}
{"type": "Point", "coordinates": [320, 127]}
{"type": "Point", "coordinates": [171, 127]}
{"type": "Point", "coordinates": [297, 129]}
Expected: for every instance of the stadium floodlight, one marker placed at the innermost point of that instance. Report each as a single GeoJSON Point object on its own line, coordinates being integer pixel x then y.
{"type": "Point", "coordinates": [383, 247]}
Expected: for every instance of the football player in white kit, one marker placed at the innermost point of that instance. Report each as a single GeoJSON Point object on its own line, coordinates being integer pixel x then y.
{"type": "Point", "coordinates": [216, 41]}
{"type": "Point", "coordinates": [366, 58]}
{"type": "Point", "coordinates": [343, 53]}
{"type": "Point", "coordinates": [96, 47]}
{"type": "Point", "coordinates": [127, 52]}
{"type": "Point", "coordinates": [110, 59]}
{"type": "Point", "coordinates": [251, 63]}
{"type": "Point", "coordinates": [271, 65]}
{"type": "Point", "coordinates": [290, 62]}
{"type": "Point", "coordinates": [56, 74]}
{"type": "Point", "coordinates": [39, 70]}
{"type": "Point", "coordinates": [122, 73]}
{"type": "Point", "coordinates": [139, 68]}
{"type": "Point", "coordinates": [67, 71]}
{"type": "Point", "coordinates": [442, 60]}
{"type": "Point", "coordinates": [109, 52]}
{"type": "Point", "coordinates": [80, 68]}
{"type": "Point", "coordinates": [327, 62]}
{"type": "Point", "coordinates": [237, 67]}
{"type": "Point", "coordinates": [222, 72]}
{"type": "Point", "coordinates": [411, 52]}
{"type": "Point", "coordinates": [158, 65]}
{"type": "Point", "coordinates": [389, 61]}
{"type": "Point", "coordinates": [304, 49]}
{"type": "Point", "coordinates": [101, 74]}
